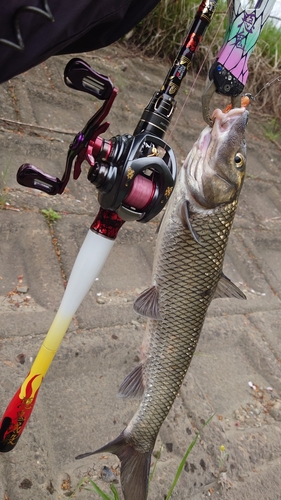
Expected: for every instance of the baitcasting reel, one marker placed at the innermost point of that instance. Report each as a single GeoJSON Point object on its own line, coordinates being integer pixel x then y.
{"type": "Point", "coordinates": [134, 174]}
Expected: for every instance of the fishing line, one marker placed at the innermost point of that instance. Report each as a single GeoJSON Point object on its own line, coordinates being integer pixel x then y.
{"type": "Point", "coordinates": [141, 194]}
{"type": "Point", "coordinates": [268, 84]}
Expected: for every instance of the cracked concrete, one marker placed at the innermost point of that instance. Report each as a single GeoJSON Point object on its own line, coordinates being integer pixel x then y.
{"type": "Point", "coordinates": [77, 408]}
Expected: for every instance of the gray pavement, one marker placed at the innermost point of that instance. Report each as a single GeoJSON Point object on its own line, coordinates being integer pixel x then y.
{"type": "Point", "coordinates": [77, 409]}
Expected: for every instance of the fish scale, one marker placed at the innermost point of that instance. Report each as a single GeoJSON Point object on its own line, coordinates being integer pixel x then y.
{"type": "Point", "coordinates": [183, 304]}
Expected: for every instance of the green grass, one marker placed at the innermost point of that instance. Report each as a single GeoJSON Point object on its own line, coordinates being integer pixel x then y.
{"type": "Point", "coordinates": [272, 130]}
{"type": "Point", "coordinates": [270, 44]}
{"type": "Point", "coordinates": [85, 481]}
{"type": "Point", "coordinates": [95, 489]}
{"type": "Point", "coordinates": [3, 186]}
{"type": "Point", "coordinates": [51, 215]}
{"type": "Point", "coordinates": [163, 31]}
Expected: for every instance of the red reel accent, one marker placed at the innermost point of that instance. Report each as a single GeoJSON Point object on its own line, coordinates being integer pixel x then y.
{"type": "Point", "coordinates": [107, 223]}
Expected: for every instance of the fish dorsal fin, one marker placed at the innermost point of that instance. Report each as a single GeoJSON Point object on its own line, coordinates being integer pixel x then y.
{"type": "Point", "coordinates": [225, 288]}
{"type": "Point", "coordinates": [185, 216]}
{"type": "Point", "coordinates": [133, 385]}
{"type": "Point", "coordinates": [147, 305]}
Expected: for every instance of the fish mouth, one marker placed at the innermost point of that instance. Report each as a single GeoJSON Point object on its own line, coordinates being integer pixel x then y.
{"type": "Point", "coordinates": [222, 123]}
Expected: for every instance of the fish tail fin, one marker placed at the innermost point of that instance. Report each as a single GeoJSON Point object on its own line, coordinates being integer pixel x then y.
{"type": "Point", "coordinates": [135, 466]}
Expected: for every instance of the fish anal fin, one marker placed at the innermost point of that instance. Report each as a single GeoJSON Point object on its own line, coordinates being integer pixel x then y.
{"type": "Point", "coordinates": [135, 466]}
{"type": "Point", "coordinates": [225, 288]}
{"type": "Point", "coordinates": [146, 304]}
{"type": "Point", "coordinates": [185, 217]}
{"type": "Point", "coordinates": [133, 385]}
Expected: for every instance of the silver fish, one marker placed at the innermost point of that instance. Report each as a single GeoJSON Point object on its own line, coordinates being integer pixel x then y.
{"type": "Point", "coordinates": [187, 275]}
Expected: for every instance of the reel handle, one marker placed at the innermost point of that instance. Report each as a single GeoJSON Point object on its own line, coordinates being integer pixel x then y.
{"type": "Point", "coordinates": [79, 75]}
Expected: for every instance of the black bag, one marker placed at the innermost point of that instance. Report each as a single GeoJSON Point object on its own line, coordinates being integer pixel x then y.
{"type": "Point", "coordinates": [33, 30]}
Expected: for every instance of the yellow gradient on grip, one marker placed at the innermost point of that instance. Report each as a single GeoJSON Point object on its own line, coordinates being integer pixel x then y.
{"type": "Point", "coordinates": [46, 354]}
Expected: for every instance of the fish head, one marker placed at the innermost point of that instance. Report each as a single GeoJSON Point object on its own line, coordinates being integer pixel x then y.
{"type": "Point", "coordinates": [215, 167]}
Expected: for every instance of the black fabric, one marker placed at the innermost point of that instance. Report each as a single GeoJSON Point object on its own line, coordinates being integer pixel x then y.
{"type": "Point", "coordinates": [79, 26]}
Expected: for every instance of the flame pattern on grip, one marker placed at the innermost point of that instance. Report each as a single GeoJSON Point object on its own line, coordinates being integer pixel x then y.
{"type": "Point", "coordinates": [18, 412]}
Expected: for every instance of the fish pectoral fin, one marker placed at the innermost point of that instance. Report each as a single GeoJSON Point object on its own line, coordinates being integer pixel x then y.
{"type": "Point", "coordinates": [225, 288]}
{"type": "Point", "coordinates": [185, 217]}
{"type": "Point", "coordinates": [133, 385]}
{"type": "Point", "coordinates": [135, 466]}
{"type": "Point", "coordinates": [159, 225]}
{"type": "Point", "coordinates": [146, 304]}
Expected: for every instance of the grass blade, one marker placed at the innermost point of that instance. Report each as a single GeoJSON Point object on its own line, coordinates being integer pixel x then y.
{"type": "Point", "coordinates": [114, 491]}
{"type": "Point", "coordinates": [101, 493]}
{"type": "Point", "coordinates": [182, 464]}
{"type": "Point", "coordinates": [79, 485]}
{"type": "Point", "coordinates": [156, 462]}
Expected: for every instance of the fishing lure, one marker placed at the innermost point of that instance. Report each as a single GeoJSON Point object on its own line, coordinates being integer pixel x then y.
{"type": "Point", "coordinates": [229, 72]}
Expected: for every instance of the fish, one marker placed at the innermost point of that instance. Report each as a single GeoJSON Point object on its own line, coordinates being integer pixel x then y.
{"type": "Point", "coordinates": [187, 275]}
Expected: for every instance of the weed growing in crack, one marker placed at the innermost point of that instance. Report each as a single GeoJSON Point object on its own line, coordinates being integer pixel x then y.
{"type": "Point", "coordinates": [51, 215]}
{"type": "Point", "coordinates": [222, 476]}
{"type": "Point", "coordinates": [3, 186]}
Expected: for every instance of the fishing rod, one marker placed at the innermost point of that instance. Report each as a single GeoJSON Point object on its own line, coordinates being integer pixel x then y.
{"type": "Point", "coordinates": [134, 175]}
{"type": "Point", "coordinates": [229, 72]}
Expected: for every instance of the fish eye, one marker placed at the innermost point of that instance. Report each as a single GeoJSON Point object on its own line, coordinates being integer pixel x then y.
{"type": "Point", "coordinates": [239, 160]}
